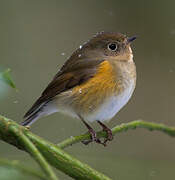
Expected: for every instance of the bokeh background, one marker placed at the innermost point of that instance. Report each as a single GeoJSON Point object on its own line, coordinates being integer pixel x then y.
{"type": "Point", "coordinates": [36, 37]}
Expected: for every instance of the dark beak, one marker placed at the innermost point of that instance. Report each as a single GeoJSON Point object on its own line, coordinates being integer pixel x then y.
{"type": "Point", "coordinates": [131, 39]}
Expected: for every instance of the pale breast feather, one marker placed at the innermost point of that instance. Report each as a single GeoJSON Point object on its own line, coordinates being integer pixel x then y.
{"type": "Point", "coordinates": [112, 105]}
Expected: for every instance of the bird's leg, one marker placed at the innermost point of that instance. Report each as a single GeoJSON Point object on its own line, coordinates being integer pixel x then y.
{"type": "Point", "coordinates": [92, 133]}
{"type": "Point", "coordinates": [108, 131]}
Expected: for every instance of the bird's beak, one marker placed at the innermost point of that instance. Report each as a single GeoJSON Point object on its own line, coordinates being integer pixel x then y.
{"type": "Point", "coordinates": [129, 40]}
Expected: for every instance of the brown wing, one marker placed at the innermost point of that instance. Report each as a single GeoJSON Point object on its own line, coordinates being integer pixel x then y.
{"type": "Point", "coordinates": [72, 73]}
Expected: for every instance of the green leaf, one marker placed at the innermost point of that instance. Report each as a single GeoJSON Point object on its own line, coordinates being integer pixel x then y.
{"type": "Point", "coordinates": [5, 76]}
{"type": "Point", "coordinates": [13, 169]}
{"type": "Point", "coordinates": [9, 173]}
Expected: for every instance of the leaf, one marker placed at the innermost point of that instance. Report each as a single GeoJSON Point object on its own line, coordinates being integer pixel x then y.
{"type": "Point", "coordinates": [5, 76]}
{"type": "Point", "coordinates": [8, 173]}
{"type": "Point", "coordinates": [13, 169]}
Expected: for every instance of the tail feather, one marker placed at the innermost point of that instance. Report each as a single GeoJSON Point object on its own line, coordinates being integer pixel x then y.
{"type": "Point", "coordinates": [31, 118]}
{"type": "Point", "coordinates": [37, 111]}
{"type": "Point", "coordinates": [37, 105]}
{"type": "Point", "coordinates": [29, 121]}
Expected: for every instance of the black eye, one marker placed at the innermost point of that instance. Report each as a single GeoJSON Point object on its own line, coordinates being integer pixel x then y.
{"type": "Point", "coordinates": [112, 46]}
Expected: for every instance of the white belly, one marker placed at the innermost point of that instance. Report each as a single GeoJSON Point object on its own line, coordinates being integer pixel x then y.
{"type": "Point", "coordinates": [112, 106]}
{"type": "Point", "coordinates": [105, 112]}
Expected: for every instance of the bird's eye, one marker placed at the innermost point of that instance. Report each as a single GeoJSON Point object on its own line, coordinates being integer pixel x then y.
{"type": "Point", "coordinates": [112, 46]}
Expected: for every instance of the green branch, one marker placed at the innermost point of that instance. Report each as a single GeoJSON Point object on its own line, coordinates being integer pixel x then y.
{"type": "Point", "coordinates": [20, 167]}
{"type": "Point", "coordinates": [10, 132]}
{"type": "Point", "coordinates": [25, 143]}
{"type": "Point", "coordinates": [30, 147]}
{"type": "Point", "coordinates": [53, 154]}
{"type": "Point", "coordinates": [121, 128]}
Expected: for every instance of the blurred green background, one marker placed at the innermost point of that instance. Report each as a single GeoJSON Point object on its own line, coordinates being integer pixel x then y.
{"type": "Point", "coordinates": [36, 37]}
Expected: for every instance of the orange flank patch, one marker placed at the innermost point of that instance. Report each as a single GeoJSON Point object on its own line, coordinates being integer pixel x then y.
{"type": "Point", "coordinates": [95, 90]}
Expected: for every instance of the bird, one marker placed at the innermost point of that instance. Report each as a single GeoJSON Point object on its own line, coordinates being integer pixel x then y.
{"type": "Point", "coordinates": [96, 81]}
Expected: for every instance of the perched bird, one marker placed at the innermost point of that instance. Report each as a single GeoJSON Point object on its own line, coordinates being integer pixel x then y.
{"type": "Point", "coordinates": [93, 84]}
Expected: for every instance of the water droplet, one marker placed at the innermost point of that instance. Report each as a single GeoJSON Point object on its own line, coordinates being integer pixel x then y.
{"type": "Point", "coordinates": [63, 54]}
{"type": "Point", "coordinates": [172, 31]}
{"type": "Point", "coordinates": [152, 173]}
{"type": "Point", "coordinates": [80, 46]}
{"type": "Point", "coordinates": [110, 13]}
{"type": "Point", "coordinates": [171, 70]}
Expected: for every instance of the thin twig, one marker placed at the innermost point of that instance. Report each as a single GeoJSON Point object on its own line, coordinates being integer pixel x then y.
{"type": "Point", "coordinates": [120, 128]}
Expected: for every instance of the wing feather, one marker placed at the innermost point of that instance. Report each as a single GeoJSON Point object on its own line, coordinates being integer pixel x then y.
{"type": "Point", "coordinates": [70, 75]}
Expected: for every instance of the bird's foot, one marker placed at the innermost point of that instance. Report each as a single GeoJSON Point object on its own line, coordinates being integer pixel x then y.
{"type": "Point", "coordinates": [93, 135]}
{"type": "Point", "coordinates": [108, 131]}
{"type": "Point", "coordinates": [93, 138]}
